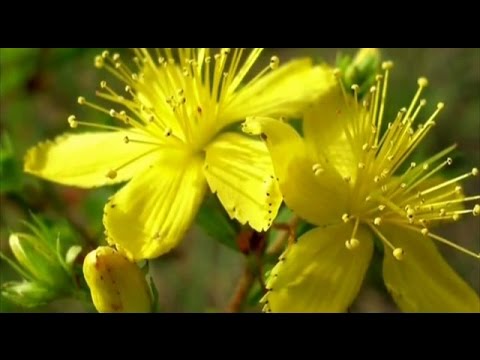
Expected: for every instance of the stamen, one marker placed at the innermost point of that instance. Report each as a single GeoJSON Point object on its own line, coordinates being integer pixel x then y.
{"type": "Point", "coordinates": [385, 240]}
{"type": "Point", "coordinates": [449, 182]}
{"type": "Point", "coordinates": [443, 240]}
{"type": "Point", "coordinates": [74, 124]}
{"type": "Point", "coordinates": [353, 243]}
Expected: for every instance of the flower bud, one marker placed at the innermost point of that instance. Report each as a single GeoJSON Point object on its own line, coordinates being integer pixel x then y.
{"type": "Point", "coordinates": [39, 258]}
{"type": "Point", "coordinates": [361, 70]}
{"type": "Point", "coordinates": [116, 284]}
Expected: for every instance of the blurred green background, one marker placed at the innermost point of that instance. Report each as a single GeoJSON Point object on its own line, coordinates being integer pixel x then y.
{"type": "Point", "coordinates": [38, 91]}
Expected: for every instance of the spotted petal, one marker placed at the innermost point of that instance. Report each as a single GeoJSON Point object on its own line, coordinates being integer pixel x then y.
{"type": "Point", "coordinates": [239, 170]}
{"type": "Point", "coordinates": [151, 214]}
{"type": "Point", "coordinates": [318, 273]}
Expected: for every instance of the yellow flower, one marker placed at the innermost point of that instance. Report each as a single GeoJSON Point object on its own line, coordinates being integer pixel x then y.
{"type": "Point", "coordinates": [116, 284]}
{"type": "Point", "coordinates": [349, 180]}
{"type": "Point", "coordinates": [176, 110]}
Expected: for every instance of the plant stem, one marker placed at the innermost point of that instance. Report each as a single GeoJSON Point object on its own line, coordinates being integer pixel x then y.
{"type": "Point", "coordinates": [241, 291]}
{"type": "Point", "coordinates": [249, 275]}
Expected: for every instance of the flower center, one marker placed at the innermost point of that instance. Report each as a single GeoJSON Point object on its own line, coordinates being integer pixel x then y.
{"type": "Point", "coordinates": [173, 98]}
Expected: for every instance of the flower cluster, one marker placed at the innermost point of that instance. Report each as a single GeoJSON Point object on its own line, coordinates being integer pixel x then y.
{"type": "Point", "coordinates": [176, 135]}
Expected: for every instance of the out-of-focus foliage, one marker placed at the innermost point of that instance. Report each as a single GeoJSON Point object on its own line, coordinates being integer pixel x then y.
{"type": "Point", "coordinates": [45, 258]}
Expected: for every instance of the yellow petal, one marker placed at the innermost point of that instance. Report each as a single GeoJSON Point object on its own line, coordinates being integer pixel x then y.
{"type": "Point", "coordinates": [116, 284]}
{"type": "Point", "coordinates": [85, 160]}
{"type": "Point", "coordinates": [324, 128]}
{"type": "Point", "coordinates": [239, 170]}
{"type": "Point", "coordinates": [422, 281]}
{"type": "Point", "coordinates": [318, 273]}
{"type": "Point", "coordinates": [151, 214]}
{"type": "Point", "coordinates": [282, 92]}
{"type": "Point", "coordinates": [317, 199]}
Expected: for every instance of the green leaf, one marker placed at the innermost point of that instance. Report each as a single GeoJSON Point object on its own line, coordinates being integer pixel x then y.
{"type": "Point", "coordinates": [216, 223]}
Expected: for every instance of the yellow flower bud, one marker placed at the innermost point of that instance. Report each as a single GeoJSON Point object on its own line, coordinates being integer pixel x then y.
{"type": "Point", "coordinates": [116, 284]}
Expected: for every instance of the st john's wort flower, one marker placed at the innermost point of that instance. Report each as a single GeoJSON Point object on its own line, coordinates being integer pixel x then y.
{"type": "Point", "coordinates": [345, 177]}
{"type": "Point", "coordinates": [172, 141]}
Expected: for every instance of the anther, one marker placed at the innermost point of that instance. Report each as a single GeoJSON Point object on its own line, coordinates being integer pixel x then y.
{"type": "Point", "coordinates": [449, 161]}
{"type": "Point", "coordinates": [352, 244]}
{"type": "Point", "coordinates": [377, 221]}
{"type": "Point", "coordinates": [81, 100]}
{"type": "Point", "coordinates": [72, 121]}
{"type": "Point", "coordinates": [345, 218]}
{"type": "Point", "coordinates": [105, 54]}
{"type": "Point", "coordinates": [112, 174]}
{"type": "Point", "coordinates": [476, 210]}
{"type": "Point", "coordinates": [422, 82]}
{"type": "Point", "coordinates": [474, 171]}
{"type": "Point", "coordinates": [424, 231]}
{"type": "Point", "coordinates": [318, 172]}
{"type": "Point", "coordinates": [99, 62]}
{"type": "Point", "coordinates": [274, 62]}
{"type": "Point", "coordinates": [126, 139]}
{"type": "Point", "coordinates": [398, 253]}
{"type": "Point", "coordinates": [410, 213]}
{"type": "Point", "coordinates": [387, 65]}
